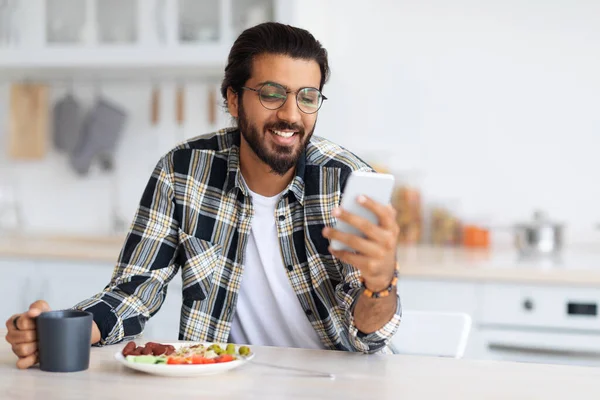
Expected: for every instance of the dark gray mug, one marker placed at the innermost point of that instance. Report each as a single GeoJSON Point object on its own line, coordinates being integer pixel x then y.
{"type": "Point", "coordinates": [64, 340]}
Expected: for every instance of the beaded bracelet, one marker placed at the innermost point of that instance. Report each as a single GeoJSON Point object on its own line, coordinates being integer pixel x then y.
{"type": "Point", "coordinates": [385, 292]}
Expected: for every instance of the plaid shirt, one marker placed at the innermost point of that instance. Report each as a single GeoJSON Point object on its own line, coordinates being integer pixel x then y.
{"type": "Point", "coordinates": [195, 215]}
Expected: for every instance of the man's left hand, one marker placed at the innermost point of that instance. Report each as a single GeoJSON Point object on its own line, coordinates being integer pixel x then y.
{"type": "Point", "coordinates": [375, 255]}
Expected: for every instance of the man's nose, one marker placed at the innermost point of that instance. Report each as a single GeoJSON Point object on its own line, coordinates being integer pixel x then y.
{"type": "Point", "coordinates": [289, 112]}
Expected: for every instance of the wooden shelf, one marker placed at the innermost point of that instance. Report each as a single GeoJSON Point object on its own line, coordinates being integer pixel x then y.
{"type": "Point", "coordinates": [69, 61]}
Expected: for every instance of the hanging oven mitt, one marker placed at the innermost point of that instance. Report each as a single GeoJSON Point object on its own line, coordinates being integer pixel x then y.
{"type": "Point", "coordinates": [67, 124]}
{"type": "Point", "coordinates": [99, 140]}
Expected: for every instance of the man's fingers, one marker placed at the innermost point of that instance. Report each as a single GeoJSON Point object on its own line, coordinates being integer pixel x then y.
{"type": "Point", "coordinates": [363, 246]}
{"type": "Point", "coordinates": [356, 260]}
{"type": "Point", "coordinates": [20, 322]}
{"type": "Point", "coordinates": [372, 231]}
{"type": "Point", "coordinates": [10, 322]}
{"type": "Point", "coordinates": [385, 213]}
{"type": "Point", "coordinates": [18, 337]}
{"type": "Point", "coordinates": [37, 308]}
{"type": "Point", "coordinates": [25, 322]}
{"type": "Point", "coordinates": [24, 349]}
{"type": "Point", "coordinates": [28, 361]}
{"type": "Point", "coordinates": [22, 334]}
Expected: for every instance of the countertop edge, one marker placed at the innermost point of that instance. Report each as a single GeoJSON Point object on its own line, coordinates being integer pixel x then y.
{"type": "Point", "coordinates": [423, 263]}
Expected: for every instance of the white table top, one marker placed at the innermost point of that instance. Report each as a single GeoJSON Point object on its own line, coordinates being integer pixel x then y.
{"type": "Point", "coordinates": [358, 376]}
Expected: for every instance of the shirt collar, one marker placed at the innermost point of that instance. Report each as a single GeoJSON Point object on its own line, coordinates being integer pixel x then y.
{"type": "Point", "coordinates": [235, 179]}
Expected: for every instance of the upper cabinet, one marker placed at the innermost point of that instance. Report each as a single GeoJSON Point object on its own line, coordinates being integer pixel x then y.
{"type": "Point", "coordinates": [111, 35]}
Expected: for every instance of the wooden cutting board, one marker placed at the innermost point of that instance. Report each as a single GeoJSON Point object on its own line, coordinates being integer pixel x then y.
{"type": "Point", "coordinates": [28, 121]}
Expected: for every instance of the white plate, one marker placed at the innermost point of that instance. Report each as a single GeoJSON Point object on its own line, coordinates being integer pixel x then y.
{"type": "Point", "coordinates": [185, 370]}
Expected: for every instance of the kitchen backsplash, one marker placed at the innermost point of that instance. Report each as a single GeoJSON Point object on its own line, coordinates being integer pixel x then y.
{"type": "Point", "coordinates": [56, 197]}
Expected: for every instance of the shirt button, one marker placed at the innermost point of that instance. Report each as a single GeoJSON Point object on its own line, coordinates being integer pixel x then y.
{"type": "Point", "coordinates": [282, 217]}
{"type": "Point", "coordinates": [290, 267]}
{"type": "Point", "coordinates": [308, 312]}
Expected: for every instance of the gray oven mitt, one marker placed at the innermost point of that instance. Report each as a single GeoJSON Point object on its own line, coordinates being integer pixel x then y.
{"type": "Point", "coordinates": [67, 123]}
{"type": "Point", "coordinates": [102, 130]}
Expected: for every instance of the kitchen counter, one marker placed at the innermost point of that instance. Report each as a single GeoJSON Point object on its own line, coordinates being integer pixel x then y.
{"type": "Point", "coordinates": [68, 248]}
{"type": "Point", "coordinates": [578, 266]}
{"type": "Point", "coordinates": [357, 376]}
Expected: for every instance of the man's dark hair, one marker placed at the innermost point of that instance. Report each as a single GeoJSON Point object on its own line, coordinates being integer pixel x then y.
{"type": "Point", "coordinates": [271, 38]}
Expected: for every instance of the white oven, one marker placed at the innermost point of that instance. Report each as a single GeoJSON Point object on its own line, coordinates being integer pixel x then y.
{"type": "Point", "coordinates": [546, 324]}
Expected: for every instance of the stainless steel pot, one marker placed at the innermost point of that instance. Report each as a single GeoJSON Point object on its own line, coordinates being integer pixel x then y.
{"type": "Point", "coordinates": [540, 237]}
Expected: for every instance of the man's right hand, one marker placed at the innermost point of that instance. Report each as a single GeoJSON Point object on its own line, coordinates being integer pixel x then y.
{"type": "Point", "coordinates": [23, 336]}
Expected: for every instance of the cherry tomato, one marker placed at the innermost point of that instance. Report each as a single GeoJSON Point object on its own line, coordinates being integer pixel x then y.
{"type": "Point", "coordinates": [224, 358]}
{"type": "Point", "coordinates": [197, 359]}
{"type": "Point", "coordinates": [175, 360]}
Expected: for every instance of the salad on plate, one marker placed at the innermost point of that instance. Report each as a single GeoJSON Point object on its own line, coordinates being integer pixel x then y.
{"type": "Point", "coordinates": [184, 354]}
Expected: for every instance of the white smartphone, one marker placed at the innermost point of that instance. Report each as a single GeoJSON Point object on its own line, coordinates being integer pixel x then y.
{"type": "Point", "coordinates": [376, 186]}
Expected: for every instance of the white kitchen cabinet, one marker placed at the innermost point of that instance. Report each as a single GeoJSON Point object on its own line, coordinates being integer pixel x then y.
{"type": "Point", "coordinates": [424, 295]}
{"type": "Point", "coordinates": [106, 35]}
{"type": "Point", "coordinates": [18, 286]}
{"type": "Point", "coordinates": [64, 284]}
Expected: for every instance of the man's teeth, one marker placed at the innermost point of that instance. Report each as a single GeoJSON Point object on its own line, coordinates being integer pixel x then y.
{"type": "Point", "coordinates": [284, 134]}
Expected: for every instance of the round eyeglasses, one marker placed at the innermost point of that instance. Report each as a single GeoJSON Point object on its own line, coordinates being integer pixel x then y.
{"type": "Point", "coordinates": [273, 96]}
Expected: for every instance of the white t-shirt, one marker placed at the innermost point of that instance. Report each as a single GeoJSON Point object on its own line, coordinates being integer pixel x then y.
{"type": "Point", "coordinates": [268, 311]}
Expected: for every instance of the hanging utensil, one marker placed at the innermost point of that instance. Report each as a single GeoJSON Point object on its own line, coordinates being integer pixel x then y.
{"type": "Point", "coordinates": [28, 125]}
{"type": "Point", "coordinates": [67, 122]}
{"type": "Point", "coordinates": [104, 127]}
{"type": "Point", "coordinates": [180, 110]}
{"type": "Point", "coordinates": [155, 105]}
{"type": "Point", "coordinates": [212, 105]}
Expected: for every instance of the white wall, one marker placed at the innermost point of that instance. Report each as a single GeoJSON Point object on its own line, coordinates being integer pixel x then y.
{"type": "Point", "coordinates": [495, 103]}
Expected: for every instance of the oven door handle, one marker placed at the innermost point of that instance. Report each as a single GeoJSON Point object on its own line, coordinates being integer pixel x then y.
{"type": "Point", "coordinates": [515, 348]}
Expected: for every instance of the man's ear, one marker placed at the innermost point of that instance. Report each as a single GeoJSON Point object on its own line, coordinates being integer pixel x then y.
{"type": "Point", "coordinates": [232, 102]}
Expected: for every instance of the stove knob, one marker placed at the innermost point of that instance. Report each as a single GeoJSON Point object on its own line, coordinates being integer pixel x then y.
{"type": "Point", "coordinates": [528, 304]}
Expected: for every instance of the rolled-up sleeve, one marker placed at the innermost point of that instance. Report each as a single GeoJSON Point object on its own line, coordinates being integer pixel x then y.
{"type": "Point", "coordinates": [145, 266]}
{"type": "Point", "coordinates": [348, 294]}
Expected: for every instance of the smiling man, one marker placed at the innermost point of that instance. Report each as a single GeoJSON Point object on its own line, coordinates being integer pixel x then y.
{"type": "Point", "coordinates": [245, 214]}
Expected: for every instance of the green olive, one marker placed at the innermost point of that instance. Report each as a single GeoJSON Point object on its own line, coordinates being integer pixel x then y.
{"type": "Point", "coordinates": [230, 349]}
{"type": "Point", "coordinates": [244, 350]}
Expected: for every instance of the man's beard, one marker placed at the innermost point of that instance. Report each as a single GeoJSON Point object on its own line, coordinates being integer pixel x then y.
{"type": "Point", "coordinates": [283, 157]}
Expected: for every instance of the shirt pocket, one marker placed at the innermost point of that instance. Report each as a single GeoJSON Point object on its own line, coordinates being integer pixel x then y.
{"type": "Point", "coordinates": [198, 260]}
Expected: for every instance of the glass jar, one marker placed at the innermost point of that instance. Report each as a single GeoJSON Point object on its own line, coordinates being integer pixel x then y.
{"type": "Point", "coordinates": [445, 226]}
{"type": "Point", "coordinates": [476, 233]}
{"type": "Point", "coordinates": [407, 201]}
{"type": "Point", "coordinates": [406, 197]}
